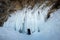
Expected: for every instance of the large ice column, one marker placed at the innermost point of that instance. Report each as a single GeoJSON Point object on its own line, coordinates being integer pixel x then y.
{"type": "Point", "coordinates": [26, 18]}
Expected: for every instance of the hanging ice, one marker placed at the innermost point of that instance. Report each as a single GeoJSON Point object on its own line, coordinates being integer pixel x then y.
{"type": "Point", "coordinates": [22, 20]}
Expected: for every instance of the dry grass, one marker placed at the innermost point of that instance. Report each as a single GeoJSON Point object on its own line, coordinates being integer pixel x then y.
{"type": "Point", "coordinates": [13, 5]}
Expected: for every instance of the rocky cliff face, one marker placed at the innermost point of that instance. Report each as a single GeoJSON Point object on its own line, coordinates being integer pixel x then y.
{"type": "Point", "coordinates": [8, 6]}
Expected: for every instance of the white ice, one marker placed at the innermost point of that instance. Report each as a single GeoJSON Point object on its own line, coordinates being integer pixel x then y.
{"type": "Point", "coordinates": [35, 20]}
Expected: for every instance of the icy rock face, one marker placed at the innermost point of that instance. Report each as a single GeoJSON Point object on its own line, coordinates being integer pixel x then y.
{"type": "Point", "coordinates": [27, 18]}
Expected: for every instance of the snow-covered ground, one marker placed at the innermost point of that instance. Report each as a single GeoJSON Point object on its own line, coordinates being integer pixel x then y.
{"type": "Point", "coordinates": [34, 20]}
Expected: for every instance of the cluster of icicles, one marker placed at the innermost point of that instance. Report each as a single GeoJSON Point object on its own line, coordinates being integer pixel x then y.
{"type": "Point", "coordinates": [26, 18]}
